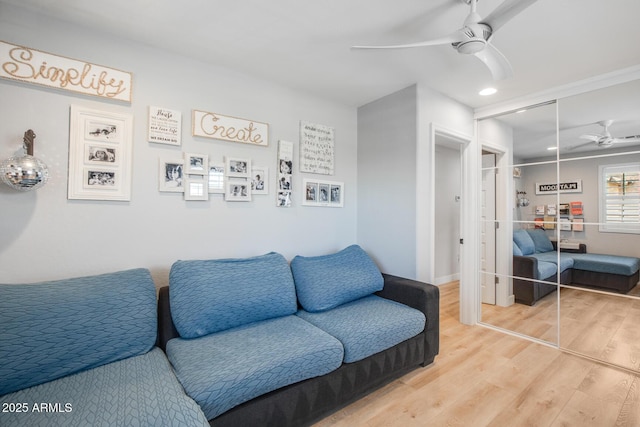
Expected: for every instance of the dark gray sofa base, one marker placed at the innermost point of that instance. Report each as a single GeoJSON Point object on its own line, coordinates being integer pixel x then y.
{"type": "Point", "coordinates": [308, 401]}
{"type": "Point", "coordinates": [528, 292]}
{"type": "Point", "coordinates": [605, 281]}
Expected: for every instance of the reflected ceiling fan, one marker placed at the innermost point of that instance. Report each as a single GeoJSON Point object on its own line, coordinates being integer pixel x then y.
{"type": "Point", "coordinates": [604, 139]}
{"type": "Point", "coordinates": [474, 38]}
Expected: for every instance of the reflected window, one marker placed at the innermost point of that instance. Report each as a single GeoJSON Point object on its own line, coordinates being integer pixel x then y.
{"type": "Point", "coordinates": [620, 198]}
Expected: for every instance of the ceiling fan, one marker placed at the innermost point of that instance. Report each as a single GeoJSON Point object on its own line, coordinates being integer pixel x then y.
{"type": "Point", "coordinates": [605, 139]}
{"type": "Point", "coordinates": [475, 36]}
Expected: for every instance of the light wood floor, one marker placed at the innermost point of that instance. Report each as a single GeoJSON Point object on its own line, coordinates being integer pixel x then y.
{"type": "Point", "coordinates": [486, 378]}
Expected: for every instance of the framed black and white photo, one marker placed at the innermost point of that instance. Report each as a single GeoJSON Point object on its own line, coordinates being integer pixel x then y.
{"type": "Point", "coordinates": [196, 164]}
{"type": "Point", "coordinates": [216, 179]}
{"type": "Point", "coordinates": [238, 190]}
{"type": "Point", "coordinates": [259, 180]}
{"type": "Point", "coordinates": [195, 187]}
{"type": "Point", "coordinates": [323, 193]}
{"type": "Point", "coordinates": [100, 154]}
{"type": "Point", "coordinates": [238, 168]}
{"type": "Point", "coordinates": [170, 175]}
{"type": "Point", "coordinates": [284, 174]}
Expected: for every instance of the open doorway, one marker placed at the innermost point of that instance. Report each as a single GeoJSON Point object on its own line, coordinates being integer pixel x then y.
{"type": "Point", "coordinates": [447, 198]}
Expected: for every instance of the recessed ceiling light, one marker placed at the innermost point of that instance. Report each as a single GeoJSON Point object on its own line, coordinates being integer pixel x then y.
{"type": "Point", "coordinates": [488, 91]}
{"type": "Point", "coordinates": [552, 148]}
{"type": "Point", "coordinates": [524, 110]}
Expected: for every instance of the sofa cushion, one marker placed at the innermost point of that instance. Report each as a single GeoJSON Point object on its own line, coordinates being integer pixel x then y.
{"type": "Point", "coordinates": [524, 242]}
{"type": "Point", "coordinates": [140, 390]}
{"type": "Point", "coordinates": [546, 270]}
{"type": "Point", "coordinates": [225, 369]}
{"type": "Point", "coordinates": [566, 259]}
{"type": "Point", "coordinates": [56, 328]}
{"type": "Point", "coordinates": [516, 249]}
{"type": "Point", "coordinates": [368, 325]}
{"type": "Point", "coordinates": [325, 282]}
{"type": "Point", "coordinates": [613, 264]}
{"type": "Point", "coordinates": [213, 295]}
{"type": "Point", "coordinates": [541, 241]}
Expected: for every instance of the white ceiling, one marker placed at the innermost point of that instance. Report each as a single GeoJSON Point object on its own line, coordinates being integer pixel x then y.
{"type": "Point", "coordinates": [306, 45]}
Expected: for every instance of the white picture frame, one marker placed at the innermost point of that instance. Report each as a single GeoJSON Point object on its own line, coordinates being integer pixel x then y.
{"type": "Point", "coordinates": [164, 126]}
{"type": "Point", "coordinates": [238, 190]}
{"type": "Point", "coordinates": [171, 175]}
{"type": "Point", "coordinates": [238, 168]}
{"type": "Point", "coordinates": [322, 193]}
{"type": "Point", "coordinates": [216, 179]}
{"type": "Point", "coordinates": [259, 180]}
{"type": "Point", "coordinates": [196, 164]}
{"type": "Point", "coordinates": [106, 176]}
{"type": "Point", "coordinates": [196, 187]}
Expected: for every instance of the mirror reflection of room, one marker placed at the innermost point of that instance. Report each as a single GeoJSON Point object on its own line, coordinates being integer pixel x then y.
{"type": "Point", "coordinates": [574, 222]}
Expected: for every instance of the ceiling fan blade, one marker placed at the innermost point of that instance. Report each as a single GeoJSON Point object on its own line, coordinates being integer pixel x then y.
{"type": "Point", "coordinates": [505, 12]}
{"type": "Point", "coordinates": [451, 38]}
{"type": "Point", "coordinates": [625, 139]}
{"type": "Point", "coordinates": [573, 147]}
{"type": "Point", "coordinates": [591, 137]}
{"type": "Point", "coordinates": [495, 61]}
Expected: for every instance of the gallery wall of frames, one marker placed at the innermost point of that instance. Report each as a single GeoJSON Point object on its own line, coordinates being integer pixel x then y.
{"type": "Point", "coordinates": [571, 171]}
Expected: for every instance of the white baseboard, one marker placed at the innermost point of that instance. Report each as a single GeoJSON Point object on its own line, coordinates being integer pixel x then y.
{"type": "Point", "coordinates": [446, 279]}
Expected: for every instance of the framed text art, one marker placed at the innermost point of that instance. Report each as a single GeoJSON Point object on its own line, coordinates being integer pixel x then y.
{"type": "Point", "coordinates": [100, 150]}
{"type": "Point", "coordinates": [316, 148]}
{"type": "Point", "coordinates": [227, 128]}
{"type": "Point", "coordinates": [164, 126]}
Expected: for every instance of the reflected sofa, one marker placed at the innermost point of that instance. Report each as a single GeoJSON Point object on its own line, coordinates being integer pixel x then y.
{"type": "Point", "coordinates": [259, 341]}
{"type": "Point", "coordinates": [536, 260]}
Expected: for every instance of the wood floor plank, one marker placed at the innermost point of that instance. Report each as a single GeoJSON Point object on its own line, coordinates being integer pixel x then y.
{"type": "Point", "coordinates": [483, 377]}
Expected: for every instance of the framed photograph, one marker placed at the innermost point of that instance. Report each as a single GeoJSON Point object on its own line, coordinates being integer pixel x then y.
{"type": "Point", "coordinates": [196, 164]}
{"type": "Point", "coordinates": [216, 179]}
{"type": "Point", "coordinates": [170, 175]}
{"type": "Point", "coordinates": [323, 193]}
{"type": "Point", "coordinates": [284, 176]}
{"type": "Point", "coordinates": [259, 180]}
{"type": "Point", "coordinates": [100, 154]}
{"type": "Point", "coordinates": [238, 168]}
{"type": "Point", "coordinates": [195, 188]}
{"type": "Point", "coordinates": [238, 191]}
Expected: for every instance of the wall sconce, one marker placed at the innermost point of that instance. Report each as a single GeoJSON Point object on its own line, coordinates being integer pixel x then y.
{"type": "Point", "coordinates": [24, 172]}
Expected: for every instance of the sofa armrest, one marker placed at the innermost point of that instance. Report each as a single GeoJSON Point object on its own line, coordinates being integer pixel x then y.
{"type": "Point", "coordinates": [421, 296]}
{"type": "Point", "coordinates": [525, 266]}
{"type": "Point", "coordinates": [166, 328]}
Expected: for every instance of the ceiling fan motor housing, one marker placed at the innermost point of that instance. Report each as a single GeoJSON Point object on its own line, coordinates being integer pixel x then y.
{"type": "Point", "coordinates": [475, 38]}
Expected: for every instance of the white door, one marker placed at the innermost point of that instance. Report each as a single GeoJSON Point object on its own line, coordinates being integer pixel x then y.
{"type": "Point", "coordinates": [488, 229]}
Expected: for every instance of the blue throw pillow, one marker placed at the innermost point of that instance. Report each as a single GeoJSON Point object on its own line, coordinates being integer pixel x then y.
{"type": "Point", "coordinates": [516, 249]}
{"type": "Point", "coordinates": [540, 240]}
{"type": "Point", "coordinates": [52, 329]}
{"type": "Point", "coordinates": [524, 242]}
{"type": "Point", "coordinates": [327, 281]}
{"type": "Point", "coordinates": [209, 296]}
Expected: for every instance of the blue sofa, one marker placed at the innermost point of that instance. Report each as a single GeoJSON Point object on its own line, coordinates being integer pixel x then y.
{"type": "Point", "coordinates": [81, 352]}
{"type": "Point", "coordinates": [536, 261]}
{"type": "Point", "coordinates": [259, 341]}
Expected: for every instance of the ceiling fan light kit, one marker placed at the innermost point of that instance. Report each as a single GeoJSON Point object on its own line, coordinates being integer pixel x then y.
{"type": "Point", "coordinates": [474, 38]}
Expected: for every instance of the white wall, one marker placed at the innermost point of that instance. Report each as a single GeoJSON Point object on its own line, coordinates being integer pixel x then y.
{"type": "Point", "coordinates": [45, 236]}
{"type": "Point", "coordinates": [387, 181]}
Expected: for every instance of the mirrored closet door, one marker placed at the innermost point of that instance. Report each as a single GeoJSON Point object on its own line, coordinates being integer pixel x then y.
{"type": "Point", "coordinates": [560, 223]}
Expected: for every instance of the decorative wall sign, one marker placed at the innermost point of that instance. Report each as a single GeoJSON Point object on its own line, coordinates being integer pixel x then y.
{"type": "Point", "coordinates": [316, 148]}
{"type": "Point", "coordinates": [100, 151]}
{"type": "Point", "coordinates": [285, 174]}
{"type": "Point", "coordinates": [217, 126]}
{"type": "Point", "coordinates": [165, 126]}
{"type": "Point", "coordinates": [42, 68]}
{"type": "Point", "coordinates": [323, 193]}
{"type": "Point", "coordinates": [565, 187]}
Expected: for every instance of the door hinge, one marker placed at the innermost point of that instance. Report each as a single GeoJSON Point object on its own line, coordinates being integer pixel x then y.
{"type": "Point", "coordinates": [461, 241]}
{"type": "Point", "coordinates": [497, 281]}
